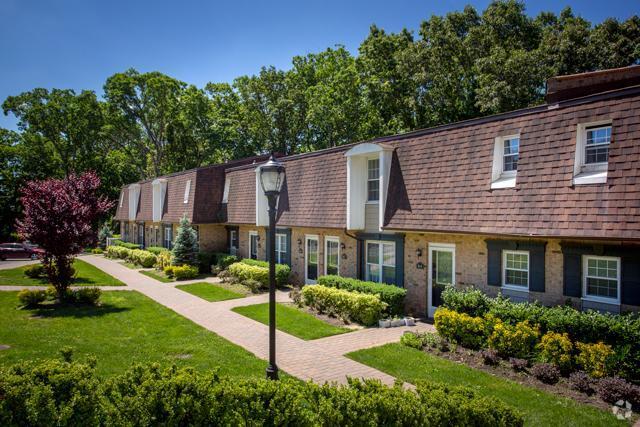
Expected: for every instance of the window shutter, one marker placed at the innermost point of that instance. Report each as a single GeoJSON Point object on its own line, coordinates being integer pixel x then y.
{"type": "Point", "coordinates": [494, 263]}
{"type": "Point", "coordinates": [630, 286]}
{"type": "Point", "coordinates": [572, 274]}
{"type": "Point", "coordinates": [536, 268]}
{"type": "Point", "coordinates": [287, 257]}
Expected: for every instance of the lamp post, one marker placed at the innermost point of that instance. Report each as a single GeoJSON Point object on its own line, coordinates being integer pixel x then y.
{"type": "Point", "coordinates": [271, 179]}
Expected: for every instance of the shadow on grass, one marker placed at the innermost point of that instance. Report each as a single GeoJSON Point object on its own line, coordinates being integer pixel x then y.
{"type": "Point", "coordinates": [76, 311]}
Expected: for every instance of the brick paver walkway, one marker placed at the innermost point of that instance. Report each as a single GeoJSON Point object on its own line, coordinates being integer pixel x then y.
{"type": "Point", "coordinates": [320, 360]}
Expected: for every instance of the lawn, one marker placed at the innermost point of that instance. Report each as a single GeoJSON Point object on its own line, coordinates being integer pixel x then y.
{"type": "Point", "coordinates": [539, 408]}
{"type": "Point", "coordinates": [291, 320]}
{"type": "Point", "coordinates": [209, 291]}
{"type": "Point", "coordinates": [156, 275]}
{"type": "Point", "coordinates": [86, 275]}
{"type": "Point", "coordinates": [126, 329]}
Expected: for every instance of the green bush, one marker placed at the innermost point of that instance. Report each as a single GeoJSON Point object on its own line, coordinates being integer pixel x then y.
{"type": "Point", "coordinates": [205, 261]}
{"type": "Point", "coordinates": [517, 341]}
{"type": "Point", "coordinates": [126, 244]}
{"type": "Point", "coordinates": [224, 260]}
{"type": "Point", "coordinates": [119, 252]}
{"type": "Point", "coordinates": [556, 349]}
{"type": "Point", "coordinates": [31, 298]}
{"type": "Point", "coordinates": [471, 301]}
{"type": "Point", "coordinates": [365, 309]}
{"type": "Point", "coordinates": [34, 271]}
{"type": "Point", "coordinates": [461, 328]}
{"type": "Point", "coordinates": [168, 270]}
{"type": "Point", "coordinates": [283, 271]}
{"type": "Point", "coordinates": [163, 260]}
{"type": "Point", "coordinates": [70, 393]}
{"type": "Point", "coordinates": [413, 340]}
{"type": "Point", "coordinates": [392, 295]}
{"type": "Point", "coordinates": [144, 258]}
{"type": "Point", "coordinates": [156, 250]}
{"type": "Point", "coordinates": [594, 359]}
{"type": "Point", "coordinates": [97, 251]}
{"type": "Point", "coordinates": [185, 272]}
{"type": "Point", "coordinates": [242, 272]}
{"type": "Point", "coordinates": [89, 296]}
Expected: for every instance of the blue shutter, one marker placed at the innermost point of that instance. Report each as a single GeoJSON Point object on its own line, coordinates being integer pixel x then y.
{"type": "Point", "coordinates": [494, 263]}
{"type": "Point", "coordinates": [630, 276]}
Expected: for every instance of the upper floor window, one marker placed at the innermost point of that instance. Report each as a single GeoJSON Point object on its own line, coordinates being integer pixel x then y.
{"type": "Point", "coordinates": [592, 153]}
{"type": "Point", "coordinates": [597, 144]}
{"type": "Point", "coordinates": [510, 157]}
{"type": "Point", "coordinates": [121, 198]}
{"type": "Point", "coordinates": [601, 278]}
{"type": "Point", "coordinates": [506, 154]}
{"type": "Point", "coordinates": [225, 192]}
{"type": "Point", "coordinates": [373, 180]}
{"type": "Point", "coordinates": [515, 269]}
{"type": "Point", "coordinates": [187, 188]}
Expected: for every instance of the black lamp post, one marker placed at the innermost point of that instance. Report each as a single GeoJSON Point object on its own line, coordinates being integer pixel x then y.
{"type": "Point", "coordinates": [271, 179]}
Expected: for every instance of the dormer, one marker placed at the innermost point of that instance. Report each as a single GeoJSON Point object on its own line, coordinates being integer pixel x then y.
{"type": "Point", "coordinates": [368, 169]}
{"type": "Point", "coordinates": [134, 198]}
{"type": "Point", "coordinates": [159, 195]}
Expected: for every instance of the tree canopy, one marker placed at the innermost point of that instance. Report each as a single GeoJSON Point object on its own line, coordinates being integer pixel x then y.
{"type": "Point", "coordinates": [458, 66]}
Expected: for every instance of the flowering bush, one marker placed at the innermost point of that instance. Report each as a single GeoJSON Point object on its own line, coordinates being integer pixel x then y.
{"type": "Point", "coordinates": [470, 332]}
{"type": "Point", "coordinates": [517, 341]}
{"type": "Point", "coordinates": [556, 349]}
{"type": "Point", "coordinates": [594, 359]}
{"type": "Point", "coordinates": [366, 309]}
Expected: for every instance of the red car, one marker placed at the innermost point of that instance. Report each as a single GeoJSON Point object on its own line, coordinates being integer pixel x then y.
{"type": "Point", "coordinates": [19, 250]}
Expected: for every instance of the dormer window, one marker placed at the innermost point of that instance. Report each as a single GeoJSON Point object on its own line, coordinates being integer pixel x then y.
{"type": "Point", "coordinates": [121, 198]}
{"type": "Point", "coordinates": [373, 180]}
{"type": "Point", "coordinates": [592, 153]}
{"type": "Point", "coordinates": [225, 193]}
{"type": "Point", "coordinates": [506, 154]}
{"type": "Point", "coordinates": [187, 188]}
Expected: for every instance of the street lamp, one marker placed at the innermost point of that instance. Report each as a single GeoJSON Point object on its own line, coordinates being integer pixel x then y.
{"type": "Point", "coordinates": [271, 179]}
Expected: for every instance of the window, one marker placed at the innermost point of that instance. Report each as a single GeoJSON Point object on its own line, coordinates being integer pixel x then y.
{"type": "Point", "coordinates": [121, 198]}
{"type": "Point", "coordinates": [281, 248]}
{"type": "Point", "coordinates": [168, 236]}
{"type": "Point", "coordinates": [253, 245]}
{"type": "Point", "coordinates": [592, 153]}
{"type": "Point", "coordinates": [373, 180]}
{"type": "Point", "coordinates": [197, 230]}
{"type": "Point", "coordinates": [381, 262]}
{"type": "Point", "coordinates": [233, 241]}
{"type": "Point", "coordinates": [157, 240]}
{"type": "Point", "coordinates": [515, 269]}
{"type": "Point", "coordinates": [332, 255]}
{"type": "Point", "coordinates": [602, 278]}
{"type": "Point", "coordinates": [225, 193]}
{"type": "Point", "coordinates": [506, 154]}
{"type": "Point", "coordinates": [510, 157]}
{"type": "Point", "coordinates": [187, 188]}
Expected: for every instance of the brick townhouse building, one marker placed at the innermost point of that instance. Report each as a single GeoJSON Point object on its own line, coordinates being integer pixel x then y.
{"type": "Point", "coordinates": [539, 204]}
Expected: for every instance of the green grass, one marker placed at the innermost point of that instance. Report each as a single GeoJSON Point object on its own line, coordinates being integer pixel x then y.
{"type": "Point", "coordinates": [539, 408]}
{"type": "Point", "coordinates": [291, 320]}
{"type": "Point", "coordinates": [156, 275]}
{"type": "Point", "coordinates": [126, 329]}
{"type": "Point", "coordinates": [86, 275]}
{"type": "Point", "coordinates": [209, 291]}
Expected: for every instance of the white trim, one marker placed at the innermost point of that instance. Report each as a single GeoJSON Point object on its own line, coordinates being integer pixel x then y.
{"type": "Point", "coordinates": [282, 251]}
{"type": "Point", "coordinates": [328, 239]}
{"type": "Point", "coordinates": [159, 190]}
{"type": "Point", "coordinates": [121, 198]}
{"type": "Point", "coordinates": [585, 269]}
{"type": "Point", "coordinates": [380, 263]}
{"type": "Point", "coordinates": [307, 238]}
{"type": "Point", "coordinates": [499, 177]}
{"type": "Point", "coordinates": [367, 148]}
{"type": "Point", "coordinates": [511, 286]}
{"type": "Point", "coordinates": [134, 198]}
{"type": "Point", "coordinates": [595, 173]}
{"type": "Point", "coordinates": [225, 193]}
{"type": "Point", "coordinates": [251, 234]}
{"type": "Point", "coordinates": [445, 247]}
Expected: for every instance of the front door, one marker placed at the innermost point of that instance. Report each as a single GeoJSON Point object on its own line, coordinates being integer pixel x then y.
{"type": "Point", "coordinates": [441, 273]}
{"type": "Point", "coordinates": [311, 260]}
{"type": "Point", "coordinates": [253, 245]}
{"type": "Point", "coordinates": [141, 235]}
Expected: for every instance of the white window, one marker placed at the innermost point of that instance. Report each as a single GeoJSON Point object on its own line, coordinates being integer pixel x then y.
{"type": "Point", "coordinates": [592, 153]}
{"type": "Point", "coordinates": [601, 279]}
{"type": "Point", "coordinates": [187, 188]}
{"type": "Point", "coordinates": [168, 236]}
{"type": "Point", "coordinates": [381, 261]}
{"type": "Point", "coordinates": [253, 244]}
{"type": "Point", "coordinates": [281, 248]}
{"type": "Point", "coordinates": [225, 193]}
{"type": "Point", "coordinates": [506, 154]}
{"type": "Point", "coordinates": [332, 255]}
{"type": "Point", "coordinates": [515, 269]}
{"type": "Point", "coordinates": [373, 180]}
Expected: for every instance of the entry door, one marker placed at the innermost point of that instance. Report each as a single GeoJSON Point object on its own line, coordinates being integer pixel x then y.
{"type": "Point", "coordinates": [442, 265]}
{"type": "Point", "coordinates": [253, 245]}
{"type": "Point", "coordinates": [311, 260]}
{"type": "Point", "coordinates": [141, 235]}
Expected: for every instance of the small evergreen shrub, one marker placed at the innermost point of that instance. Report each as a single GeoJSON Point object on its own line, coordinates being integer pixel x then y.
{"type": "Point", "coordinates": [514, 341]}
{"type": "Point", "coordinates": [556, 349]}
{"type": "Point", "coordinates": [185, 272]}
{"type": "Point", "coordinates": [518, 365]}
{"type": "Point", "coordinates": [31, 298]}
{"type": "Point", "coordinates": [34, 271]}
{"type": "Point", "coordinates": [582, 382]}
{"type": "Point", "coordinates": [185, 247]}
{"type": "Point", "coordinates": [103, 235]}
{"type": "Point", "coordinates": [393, 296]}
{"type": "Point", "coordinates": [594, 359]}
{"type": "Point", "coordinates": [613, 389]}
{"type": "Point", "coordinates": [490, 357]}
{"type": "Point", "coordinates": [546, 372]}
{"type": "Point", "coordinates": [468, 331]}
{"type": "Point", "coordinates": [283, 271]}
{"type": "Point", "coordinates": [365, 309]}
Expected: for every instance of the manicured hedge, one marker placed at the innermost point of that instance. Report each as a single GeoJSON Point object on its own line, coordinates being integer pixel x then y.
{"type": "Point", "coordinates": [205, 261]}
{"type": "Point", "coordinates": [62, 393]}
{"type": "Point", "coordinates": [365, 309]}
{"type": "Point", "coordinates": [181, 272]}
{"type": "Point", "coordinates": [390, 294]}
{"type": "Point", "coordinates": [156, 249]}
{"type": "Point", "coordinates": [126, 244]}
{"type": "Point", "coordinates": [136, 256]}
{"type": "Point", "coordinates": [283, 271]}
{"type": "Point", "coordinates": [224, 260]}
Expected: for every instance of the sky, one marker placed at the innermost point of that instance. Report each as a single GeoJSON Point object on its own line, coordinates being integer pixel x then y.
{"type": "Point", "coordinates": [77, 44]}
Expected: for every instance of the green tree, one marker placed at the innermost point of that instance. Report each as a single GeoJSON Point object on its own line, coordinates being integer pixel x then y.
{"type": "Point", "coordinates": [185, 248]}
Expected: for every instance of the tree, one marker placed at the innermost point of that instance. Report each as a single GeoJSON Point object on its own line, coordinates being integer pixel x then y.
{"type": "Point", "coordinates": [104, 233]}
{"type": "Point", "coordinates": [185, 248]}
{"type": "Point", "coordinates": [60, 215]}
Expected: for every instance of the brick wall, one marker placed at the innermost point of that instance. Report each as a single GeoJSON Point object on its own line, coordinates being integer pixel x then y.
{"type": "Point", "coordinates": [213, 237]}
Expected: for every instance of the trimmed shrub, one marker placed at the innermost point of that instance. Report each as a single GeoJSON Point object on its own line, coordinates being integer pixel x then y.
{"type": "Point", "coordinates": [144, 258]}
{"type": "Point", "coordinates": [556, 349]}
{"type": "Point", "coordinates": [168, 270]}
{"type": "Point", "coordinates": [241, 272]}
{"type": "Point", "coordinates": [514, 341]}
{"type": "Point", "coordinates": [224, 260]}
{"type": "Point", "coordinates": [126, 244]}
{"type": "Point", "coordinates": [613, 389]}
{"type": "Point", "coordinates": [468, 331]}
{"type": "Point", "coordinates": [412, 340]}
{"type": "Point", "coordinates": [119, 252]}
{"type": "Point", "coordinates": [365, 309]}
{"type": "Point", "coordinates": [163, 260]}
{"type": "Point", "coordinates": [185, 272]}
{"type": "Point", "coordinates": [253, 285]}
{"type": "Point", "coordinates": [594, 359]}
{"type": "Point", "coordinates": [518, 365]}
{"type": "Point", "coordinates": [70, 393]}
{"type": "Point", "coordinates": [490, 357]}
{"type": "Point", "coordinates": [582, 382]}
{"type": "Point", "coordinates": [471, 301]}
{"type": "Point", "coordinates": [392, 295]}
{"type": "Point", "coordinates": [546, 372]}
{"type": "Point", "coordinates": [283, 271]}
{"type": "Point", "coordinates": [31, 298]}
{"type": "Point", "coordinates": [34, 271]}
{"type": "Point", "coordinates": [97, 251]}
{"type": "Point", "coordinates": [89, 296]}
{"type": "Point", "coordinates": [205, 261]}
{"type": "Point", "coordinates": [156, 250]}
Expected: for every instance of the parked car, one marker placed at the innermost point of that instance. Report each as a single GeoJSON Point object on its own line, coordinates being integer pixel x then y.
{"type": "Point", "coordinates": [19, 250]}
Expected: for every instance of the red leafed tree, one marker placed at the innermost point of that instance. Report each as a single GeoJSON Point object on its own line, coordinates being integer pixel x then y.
{"type": "Point", "coordinates": [59, 216]}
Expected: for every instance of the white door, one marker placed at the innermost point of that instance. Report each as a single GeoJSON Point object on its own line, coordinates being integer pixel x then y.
{"type": "Point", "coordinates": [441, 272]}
{"type": "Point", "coordinates": [311, 260]}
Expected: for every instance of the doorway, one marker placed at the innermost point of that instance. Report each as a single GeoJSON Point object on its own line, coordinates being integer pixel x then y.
{"type": "Point", "coordinates": [441, 272]}
{"type": "Point", "coordinates": [311, 260]}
